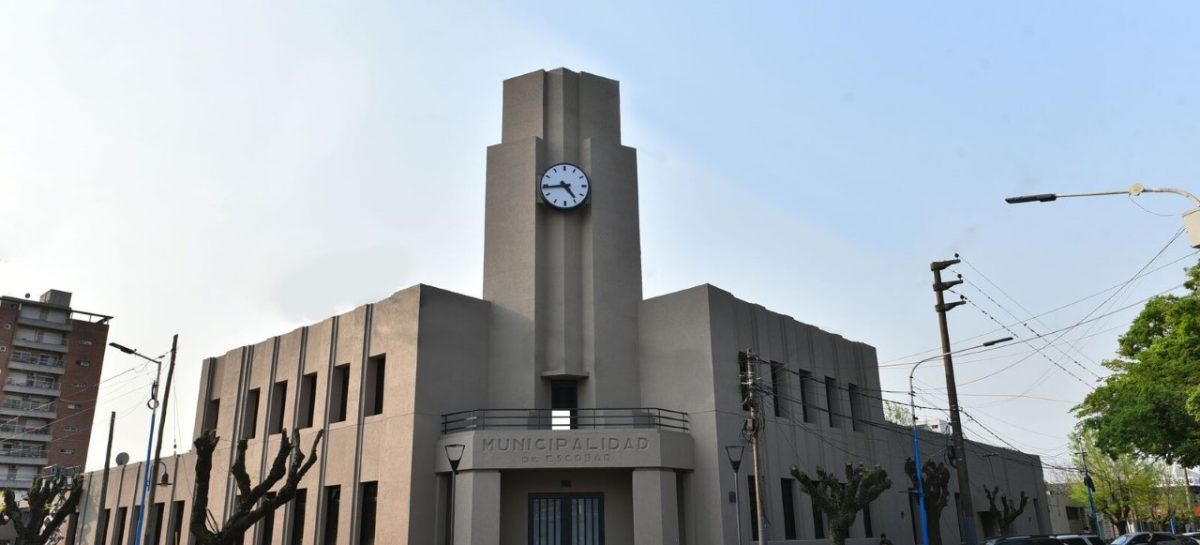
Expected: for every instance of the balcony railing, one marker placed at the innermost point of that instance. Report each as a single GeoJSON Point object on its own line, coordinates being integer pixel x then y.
{"type": "Point", "coordinates": [22, 405]}
{"type": "Point", "coordinates": [13, 428]}
{"type": "Point", "coordinates": [564, 419]}
{"type": "Point", "coordinates": [23, 453]}
{"type": "Point", "coordinates": [28, 359]}
{"type": "Point", "coordinates": [36, 384]}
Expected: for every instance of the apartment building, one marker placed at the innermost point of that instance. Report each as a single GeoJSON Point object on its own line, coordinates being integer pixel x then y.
{"type": "Point", "coordinates": [50, 361]}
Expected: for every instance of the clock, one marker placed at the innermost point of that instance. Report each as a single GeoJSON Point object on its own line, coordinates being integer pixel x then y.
{"type": "Point", "coordinates": [564, 186]}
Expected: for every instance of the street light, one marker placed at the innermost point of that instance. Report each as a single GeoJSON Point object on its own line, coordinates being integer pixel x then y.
{"type": "Point", "coordinates": [454, 454]}
{"type": "Point", "coordinates": [1191, 218]}
{"type": "Point", "coordinates": [912, 408]}
{"type": "Point", "coordinates": [735, 452]}
{"type": "Point", "coordinates": [148, 492]}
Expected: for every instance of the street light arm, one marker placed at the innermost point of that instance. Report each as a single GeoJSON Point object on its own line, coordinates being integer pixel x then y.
{"type": "Point", "coordinates": [1134, 191]}
{"type": "Point", "coordinates": [134, 352]}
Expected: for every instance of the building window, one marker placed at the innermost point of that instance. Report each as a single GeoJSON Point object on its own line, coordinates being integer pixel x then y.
{"type": "Point", "coordinates": [789, 508]}
{"type": "Point", "coordinates": [308, 401]}
{"type": "Point", "coordinates": [119, 529]}
{"type": "Point", "coordinates": [70, 428]}
{"type": "Point", "coordinates": [855, 409]}
{"type": "Point", "coordinates": [73, 405]}
{"type": "Point", "coordinates": [85, 342]}
{"type": "Point", "coordinates": [67, 450]}
{"type": "Point", "coordinates": [369, 492]}
{"type": "Point", "coordinates": [805, 393]}
{"type": "Point", "coordinates": [84, 363]}
{"type": "Point", "coordinates": [212, 411]}
{"type": "Point", "coordinates": [744, 379]}
{"type": "Point", "coordinates": [564, 399]}
{"type": "Point", "coordinates": [374, 389]}
{"type": "Point", "coordinates": [3, 349]}
{"type": "Point", "coordinates": [340, 388]}
{"type": "Point", "coordinates": [266, 525]}
{"type": "Point", "coordinates": [103, 525]}
{"type": "Point", "coordinates": [250, 415]}
{"type": "Point", "coordinates": [156, 519]}
{"type": "Point", "coordinates": [333, 500]}
{"type": "Point", "coordinates": [278, 402]}
{"type": "Point", "coordinates": [751, 491]}
{"type": "Point", "coordinates": [79, 385]}
{"type": "Point", "coordinates": [870, 532]}
{"type": "Point", "coordinates": [175, 537]}
{"type": "Point", "coordinates": [831, 399]}
{"type": "Point", "coordinates": [778, 387]}
{"type": "Point", "coordinates": [299, 508]}
{"type": "Point", "coordinates": [818, 523]}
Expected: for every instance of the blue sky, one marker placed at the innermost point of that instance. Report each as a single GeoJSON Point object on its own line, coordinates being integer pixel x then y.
{"type": "Point", "coordinates": [232, 171]}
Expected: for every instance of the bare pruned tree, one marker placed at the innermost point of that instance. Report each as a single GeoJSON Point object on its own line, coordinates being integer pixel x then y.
{"type": "Point", "coordinates": [49, 501]}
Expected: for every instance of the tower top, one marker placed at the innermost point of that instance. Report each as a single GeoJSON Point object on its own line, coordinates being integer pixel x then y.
{"type": "Point", "coordinates": [562, 107]}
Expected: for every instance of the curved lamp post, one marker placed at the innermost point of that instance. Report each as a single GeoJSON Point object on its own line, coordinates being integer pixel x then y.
{"type": "Point", "coordinates": [735, 452]}
{"type": "Point", "coordinates": [454, 454]}
{"type": "Point", "coordinates": [1191, 218]}
{"type": "Point", "coordinates": [912, 409]}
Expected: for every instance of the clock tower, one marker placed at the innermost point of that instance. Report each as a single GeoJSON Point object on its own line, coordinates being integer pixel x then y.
{"type": "Point", "coordinates": [562, 254]}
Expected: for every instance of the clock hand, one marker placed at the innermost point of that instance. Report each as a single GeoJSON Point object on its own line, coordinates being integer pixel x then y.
{"type": "Point", "coordinates": [567, 187]}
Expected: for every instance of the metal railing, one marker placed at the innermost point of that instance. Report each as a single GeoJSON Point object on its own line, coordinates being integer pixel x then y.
{"type": "Point", "coordinates": [564, 419]}
{"type": "Point", "coordinates": [26, 383]}
{"type": "Point", "coordinates": [28, 359]}
{"type": "Point", "coordinates": [13, 428]}
{"type": "Point", "coordinates": [24, 453]}
{"type": "Point", "coordinates": [23, 405]}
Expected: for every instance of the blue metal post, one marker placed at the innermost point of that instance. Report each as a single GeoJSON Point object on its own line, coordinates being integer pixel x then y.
{"type": "Point", "coordinates": [137, 540]}
{"type": "Point", "coordinates": [920, 486]}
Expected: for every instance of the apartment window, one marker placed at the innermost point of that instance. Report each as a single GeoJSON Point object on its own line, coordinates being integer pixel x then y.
{"type": "Point", "coordinates": [789, 508]}
{"type": "Point", "coordinates": [85, 342]}
{"type": "Point", "coordinates": [299, 507]}
{"type": "Point", "coordinates": [250, 415]}
{"type": "Point", "coordinates": [805, 393]}
{"type": "Point", "coordinates": [778, 387]}
{"type": "Point", "coordinates": [333, 497]}
{"type": "Point", "coordinates": [340, 387]}
{"type": "Point", "coordinates": [366, 523]}
{"type": "Point", "coordinates": [831, 399]}
{"type": "Point", "coordinates": [212, 411]}
{"type": "Point", "coordinates": [79, 385]}
{"type": "Point", "coordinates": [3, 349]}
{"type": "Point", "coordinates": [278, 402]}
{"type": "Point", "coordinates": [84, 363]}
{"type": "Point", "coordinates": [74, 406]}
{"type": "Point", "coordinates": [376, 367]}
{"type": "Point", "coordinates": [751, 492]}
{"type": "Point", "coordinates": [67, 450]}
{"type": "Point", "coordinates": [308, 401]}
{"type": "Point", "coordinates": [70, 428]}
{"type": "Point", "coordinates": [855, 409]}
{"type": "Point", "coordinates": [175, 537]}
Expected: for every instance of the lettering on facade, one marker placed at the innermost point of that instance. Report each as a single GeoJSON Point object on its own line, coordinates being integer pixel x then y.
{"type": "Point", "coordinates": [565, 450]}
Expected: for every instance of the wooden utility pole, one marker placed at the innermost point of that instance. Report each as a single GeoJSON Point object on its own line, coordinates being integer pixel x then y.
{"type": "Point", "coordinates": [754, 427]}
{"type": "Point", "coordinates": [112, 420]}
{"type": "Point", "coordinates": [152, 528]}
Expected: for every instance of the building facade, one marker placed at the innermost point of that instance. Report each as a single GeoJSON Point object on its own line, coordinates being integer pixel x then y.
{"type": "Point", "coordinates": [51, 356]}
{"type": "Point", "coordinates": [561, 407]}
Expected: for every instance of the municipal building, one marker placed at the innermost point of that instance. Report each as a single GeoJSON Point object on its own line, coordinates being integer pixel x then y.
{"type": "Point", "coordinates": [575, 411]}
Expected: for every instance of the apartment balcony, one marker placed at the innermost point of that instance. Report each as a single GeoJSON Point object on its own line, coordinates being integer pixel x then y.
{"type": "Point", "coordinates": [15, 483]}
{"type": "Point", "coordinates": [36, 345]}
{"type": "Point", "coordinates": [44, 324]}
{"type": "Point", "coordinates": [26, 386]}
{"type": "Point", "coordinates": [28, 363]}
{"type": "Point", "coordinates": [22, 433]}
{"type": "Point", "coordinates": [25, 457]}
{"type": "Point", "coordinates": [36, 409]}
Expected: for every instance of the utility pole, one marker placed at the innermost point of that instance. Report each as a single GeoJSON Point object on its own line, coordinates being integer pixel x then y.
{"type": "Point", "coordinates": [1091, 488]}
{"type": "Point", "coordinates": [754, 427]}
{"type": "Point", "coordinates": [112, 420]}
{"type": "Point", "coordinates": [152, 528]}
{"type": "Point", "coordinates": [966, 506]}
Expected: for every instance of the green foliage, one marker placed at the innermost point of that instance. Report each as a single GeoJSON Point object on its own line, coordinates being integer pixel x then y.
{"type": "Point", "coordinates": [1008, 511]}
{"type": "Point", "coordinates": [1123, 483]}
{"type": "Point", "coordinates": [841, 501]}
{"type": "Point", "coordinates": [897, 413]}
{"type": "Point", "coordinates": [1151, 402]}
{"type": "Point", "coordinates": [936, 477]}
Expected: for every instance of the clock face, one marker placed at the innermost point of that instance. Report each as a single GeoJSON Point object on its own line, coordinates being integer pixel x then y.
{"type": "Point", "coordinates": [564, 186]}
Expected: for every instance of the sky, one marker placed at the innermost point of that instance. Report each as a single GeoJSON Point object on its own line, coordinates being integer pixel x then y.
{"type": "Point", "coordinates": [231, 171]}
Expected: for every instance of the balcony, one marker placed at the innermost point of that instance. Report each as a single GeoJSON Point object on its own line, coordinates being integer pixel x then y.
{"type": "Point", "coordinates": [15, 483]}
{"type": "Point", "coordinates": [24, 456]}
{"type": "Point", "coordinates": [37, 345]}
{"type": "Point", "coordinates": [44, 324]}
{"type": "Point", "coordinates": [22, 433]}
{"type": "Point", "coordinates": [26, 362]}
{"type": "Point", "coordinates": [36, 387]}
{"type": "Point", "coordinates": [564, 419]}
{"type": "Point", "coordinates": [18, 407]}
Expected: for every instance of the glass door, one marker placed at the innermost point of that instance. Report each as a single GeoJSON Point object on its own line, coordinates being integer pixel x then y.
{"type": "Point", "coordinates": [566, 519]}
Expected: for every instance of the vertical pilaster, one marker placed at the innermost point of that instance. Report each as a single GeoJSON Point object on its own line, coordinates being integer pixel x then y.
{"type": "Point", "coordinates": [477, 508]}
{"type": "Point", "coordinates": [655, 507]}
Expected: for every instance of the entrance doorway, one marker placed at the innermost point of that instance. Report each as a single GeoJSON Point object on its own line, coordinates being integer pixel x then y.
{"type": "Point", "coordinates": [566, 519]}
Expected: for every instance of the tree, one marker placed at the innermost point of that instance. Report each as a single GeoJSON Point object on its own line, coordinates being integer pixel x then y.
{"type": "Point", "coordinates": [1008, 511]}
{"type": "Point", "coordinates": [253, 502]}
{"type": "Point", "coordinates": [841, 501]}
{"type": "Point", "coordinates": [49, 501]}
{"type": "Point", "coordinates": [1123, 482]}
{"type": "Point", "coordinates": [936, 477]}
{"type": "Point", "coordinates": [1150, 404]}
{"type": "Point", "coordinates": [897, 413]}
